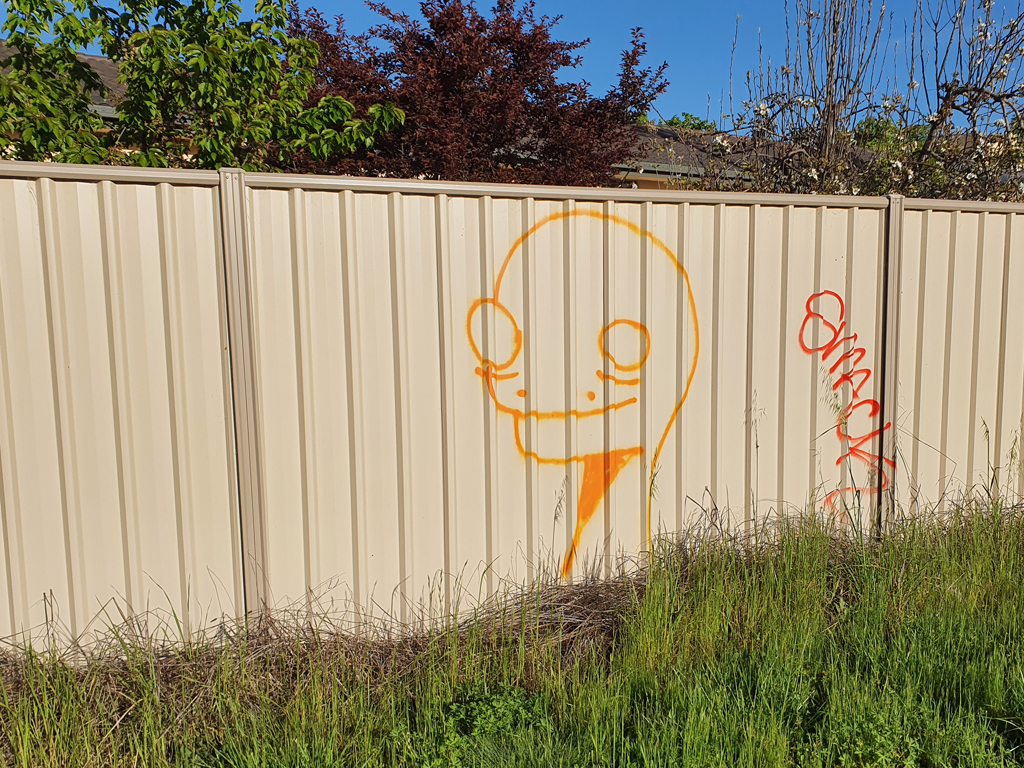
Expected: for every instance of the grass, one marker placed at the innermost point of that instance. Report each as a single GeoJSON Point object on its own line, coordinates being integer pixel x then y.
{"type": "Point", "coordinates": [811, 650]}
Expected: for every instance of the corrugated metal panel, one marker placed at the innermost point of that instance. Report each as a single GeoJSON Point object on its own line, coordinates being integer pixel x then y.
{"type": "Point", "coordinates": [392, 460]}
{"type": "Point", "coordinates": [962, 353]}
{"type": "Point", "coordinates": [769, 400]}
{"type": "Point", "coordinates": [441, 382]}
{"type": "Point", "coordinates": [115, 431]}
{"type": "Point", "coordinates": [349, 351]}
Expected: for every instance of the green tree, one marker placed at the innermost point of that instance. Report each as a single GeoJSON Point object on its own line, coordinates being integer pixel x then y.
{"type": "Point", "coordinates": [203, 88]}
{"type": "Point", "coordinates": [690, 122]}
{"type": "Point", "coordinates": [44, 88]}
{"type": "Point", "coordinates": [886, 136]}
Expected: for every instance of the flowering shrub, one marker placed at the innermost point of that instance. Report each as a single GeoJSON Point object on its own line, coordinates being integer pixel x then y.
{"type": "Point", "coordinates": [833, 119]}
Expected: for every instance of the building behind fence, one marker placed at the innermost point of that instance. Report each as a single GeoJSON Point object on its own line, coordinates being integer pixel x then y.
{"type": "Point", "coordinates": [225, 390]}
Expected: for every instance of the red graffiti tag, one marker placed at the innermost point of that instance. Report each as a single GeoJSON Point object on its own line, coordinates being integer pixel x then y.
{"type": "Point", "coordinates": [856, 425]}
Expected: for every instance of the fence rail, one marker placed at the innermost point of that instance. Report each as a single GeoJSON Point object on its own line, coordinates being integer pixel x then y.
{"type": "Point", "coordinates": [225, 390]}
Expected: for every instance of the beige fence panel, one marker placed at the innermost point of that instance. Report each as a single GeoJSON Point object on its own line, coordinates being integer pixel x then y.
{"type": "Point", "coordinates": [116, 438]}
{"type": "Point", "coordinates": [462, 383]}
{"type": "Point", "coordinates": [778, 377]}
{"type": "Point", "coordinates": [423, 384]}
{"type": "Point", "coordinates": [961, 382]}
{"type": "Point", "coordinates": [347, 333]}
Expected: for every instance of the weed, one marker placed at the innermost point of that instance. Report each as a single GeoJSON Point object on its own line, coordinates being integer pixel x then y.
{"type": "Point", "coordinates": [804, 646]}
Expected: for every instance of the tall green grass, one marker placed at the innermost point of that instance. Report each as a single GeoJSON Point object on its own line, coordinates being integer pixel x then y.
{"type": "Point", "coordinates": [808, 649]}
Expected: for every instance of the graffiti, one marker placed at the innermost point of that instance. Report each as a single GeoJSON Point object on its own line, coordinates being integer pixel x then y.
{"type": "Point", "coordinates": [621, 356]}
{"type": "Point", "coordinates": [825, 319]}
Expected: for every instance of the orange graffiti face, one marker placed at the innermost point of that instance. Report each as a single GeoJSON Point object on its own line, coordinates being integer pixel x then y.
{"type": "Point", "coordinates": [613, 365]}
{"type": "Point", "coordinates": [580, 383]}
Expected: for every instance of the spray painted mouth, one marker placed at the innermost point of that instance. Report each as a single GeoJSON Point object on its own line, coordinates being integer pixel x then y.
{"type": "Point", "coordinates": [577, 413]}
{"type": "Point", "coordinates": [576, 434]}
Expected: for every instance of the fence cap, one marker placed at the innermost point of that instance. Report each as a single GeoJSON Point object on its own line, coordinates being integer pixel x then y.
{"type": "Point", "coordinates": [130, 175]}
{"type": "Point", "coordinates": [18, 169]}
{"type": "Point", "coordinates": [542, 192]}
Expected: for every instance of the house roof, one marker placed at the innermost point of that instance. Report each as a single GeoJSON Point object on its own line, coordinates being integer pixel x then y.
{"type": "Point", "coordinates": [667, 155]}
{"type": "Point", "coordinates": [107, 71]}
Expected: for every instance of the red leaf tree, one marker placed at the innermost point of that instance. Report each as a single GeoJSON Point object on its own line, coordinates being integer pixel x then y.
{"type": "Point", "coordinates": [482, 97]}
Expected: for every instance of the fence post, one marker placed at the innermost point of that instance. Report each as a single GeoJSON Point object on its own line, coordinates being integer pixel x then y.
{"type": "Point", "coordinates": [243, 387]}
{"type": "Point", "coordinates": [892, 264]}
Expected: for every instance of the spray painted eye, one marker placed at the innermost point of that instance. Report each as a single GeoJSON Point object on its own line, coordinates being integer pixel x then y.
{"type": "Point", "coordinates": [626, 344]}
{"type": "Point", "coordinates": [494, 334]}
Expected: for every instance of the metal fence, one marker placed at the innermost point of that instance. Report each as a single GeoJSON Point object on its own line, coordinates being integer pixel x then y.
{"type": "Point", "coordinates": [225, 390]}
